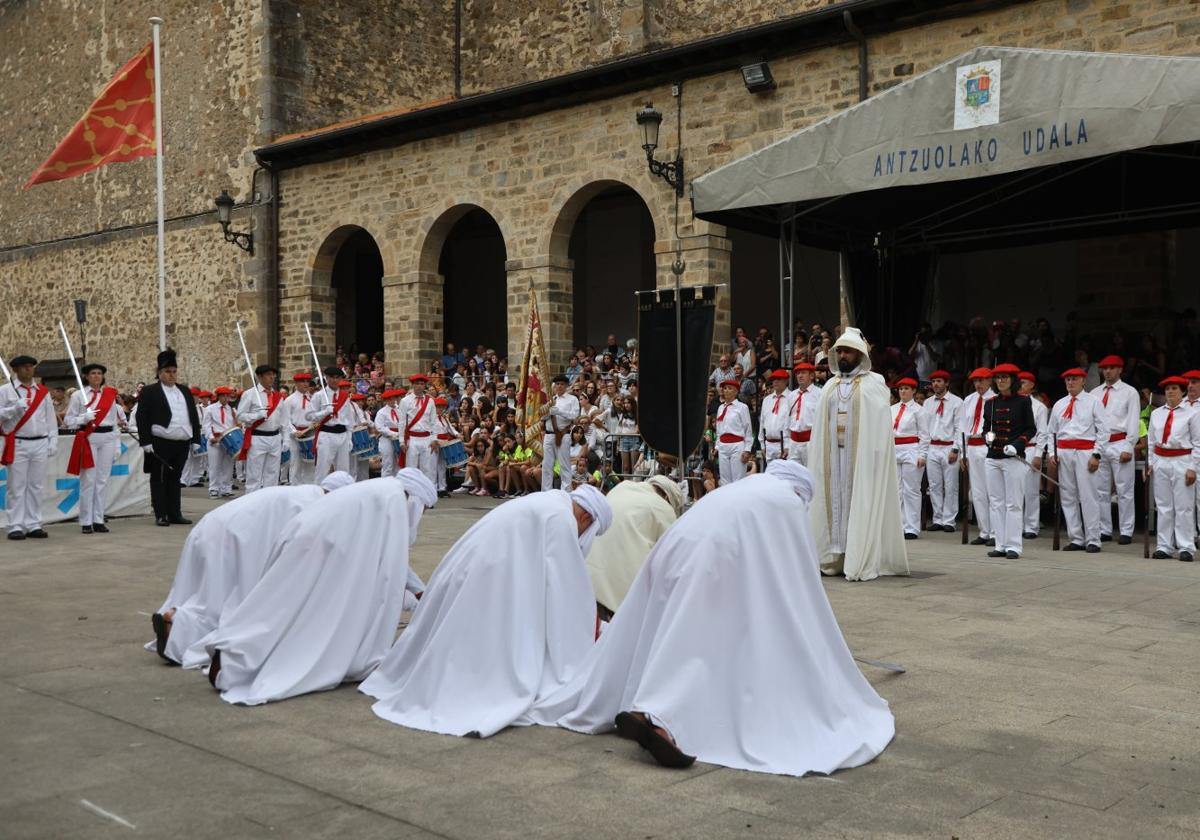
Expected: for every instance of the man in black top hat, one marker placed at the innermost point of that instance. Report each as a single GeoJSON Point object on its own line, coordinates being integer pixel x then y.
{"type": "Point", "coordinates": [28, 438]}
{"type": "Point", "coordinates": [167, 425]}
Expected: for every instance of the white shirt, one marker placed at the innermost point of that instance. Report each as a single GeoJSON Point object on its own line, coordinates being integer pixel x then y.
{"type": "Point", "coordinates": [734, 419]}
{"type": "Point", "coordinates": [320, 407]}
{"type": "Point", "coordinates": [803, 409]}
{"type": "Point", "coordinates": [1085, 423]}
{"type": "Point", "coordinates": [217, 418]}
{"type": "Point", "coordinates": [181, 424]}
{"type": "Point", "coordinates": [943, 418]}
{"type": "Point", "coordinates": [250, 409]}
{"type": "Point", "coordinates": [409, 408]}
{"type": "Point", "coordinates": [565, 410]}
{"type": "Point", "coordinates": [15, 400]}
{"type": "Point", "coordinates": [911, 425]}
{"type": "Point", "coordinates": [389, 421]}
{"type": "Point", "coordinates": [1041, 420]}
{"type": "Point", "coordinates": [1185, 434]}
{"type": "Point", "coordinates": [294, 409]}
{"type": "Point", "coordinates": [1123, 413]}
{"type": "Point", "coordinates": [972, 424]}
{"type": "Point", "coordinates": [773, 417]}
{"type": "Point", "coordinates": [81, 401]}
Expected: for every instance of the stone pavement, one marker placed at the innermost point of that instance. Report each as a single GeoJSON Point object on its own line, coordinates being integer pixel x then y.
{"type": "Point", "coordinates": [1053, 696]}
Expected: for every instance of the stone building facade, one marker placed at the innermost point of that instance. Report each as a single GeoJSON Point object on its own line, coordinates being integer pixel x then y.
{"type": "Point", "coordinates": [286, 76]}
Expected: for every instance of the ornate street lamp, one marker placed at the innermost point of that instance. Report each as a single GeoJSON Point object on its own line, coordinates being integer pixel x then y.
{"type": "Point", "coordinates": [243, 239]}
{"type": "Point", "coordinates": [648, 121]}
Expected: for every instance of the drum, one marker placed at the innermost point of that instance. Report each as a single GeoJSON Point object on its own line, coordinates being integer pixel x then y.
{"type": "Point", "coordinates": [306, 449]}
{"type": "Point", "coordinates": [455, 453]}
{"type": "Point", "coordinates": [231, 441]}
{"type": "Point", "coordinates": [361, 441]}
{"type": "Point", "coordinates": [368, 454]}
{"type": "Point", "coordinates": [202, 446]}
{"type": "Point", "coordinates": [285, 456]}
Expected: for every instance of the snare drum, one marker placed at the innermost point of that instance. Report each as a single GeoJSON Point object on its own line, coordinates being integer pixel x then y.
{"type": "Point", "coordinates": [231, 441]}
{"type": "Point", "coordinates": [455, 453]}
{"type": "Point", "coordinates": [285, 456]}
{"type": "Point", "coordinates": [202, 446]}
{"type": "Point", "coordinates": [361, 441]}
{"type": "Point", "coordinates": [369, 453]}
{"type": "Point", "coordinates": [305, 446]}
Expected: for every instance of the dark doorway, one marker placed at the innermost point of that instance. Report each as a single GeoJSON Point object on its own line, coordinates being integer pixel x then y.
{"type": "Point", "coordinates": [358, 282]}
{"type": "Point", "coordinates": [475, 290]}
{"type": "Point", "coordinates": [612, 245]}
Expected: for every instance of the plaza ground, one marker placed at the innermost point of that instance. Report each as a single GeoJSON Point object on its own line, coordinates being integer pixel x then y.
{"type": "Point", "coordinates": [1053, 696]}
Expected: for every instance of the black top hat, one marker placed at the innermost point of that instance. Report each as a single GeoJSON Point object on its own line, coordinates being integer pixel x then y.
{"type": "Point", "coordinates": [17, 361]}
{"type": "Point", "coordinates": [86, 369]}
{"type": "Point", "coordinates": [261, 369]}
{"type": "Point", "coordinates": [166, 359]}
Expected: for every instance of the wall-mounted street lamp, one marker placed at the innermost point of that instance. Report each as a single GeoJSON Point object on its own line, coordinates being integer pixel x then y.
{"type": "Point", "coordinates": [243, 239]}
{"type": "Point", "coordinates": [649, 121]}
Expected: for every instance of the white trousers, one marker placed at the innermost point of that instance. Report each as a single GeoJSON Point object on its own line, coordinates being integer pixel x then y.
{"type": "Point", "coordinates": [798, 451]}
{"type": "Point", "coordinates": [976, 456]}
{"type": "Point", "coordinates": [194, 467]}
{"type": "Point", "coordinates": [389, 452]}
{"type": "Point", "coordinates": [943, 485]}
{"type": "Point", "coordinates": [1113, 472]}
{"type": "Point", "coordinates": [561, 455]}
{"type": "Point", "coordinates": [1176, 506]}
{"type": "Point", "coordinates": [333, 454]}
{"type": "Point", "coordinates": [262, 462]}
{"type": "Point", "coordinates": [1006, 497]}
{"type": "Point", "coordinates": [93, 482]}
{"type": "Point", "coordinates": [441, 472]}
{"type": "Point", "coordinates": [729, 462]}
{"type": "Point", "coordinates": [1080, 503]}
{"type": "Point", "coordinates": [422, 456]}
{"type": "Point", "coordinates": [1033, 494]}
{"type": "Point", "coordinates": [908, 477]}
{"type": "Point", "coordinates": [300, 471]}
{"type": "Point", "coordinates": [360, 468]}
{"type": "Point", "coordinates": [220, 469]}
{"type": "Point", "coordinates": [26, 483]}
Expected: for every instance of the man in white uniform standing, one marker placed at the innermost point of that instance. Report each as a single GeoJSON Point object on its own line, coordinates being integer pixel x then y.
{"type": "Point", "coordinates": [559, 414]}
{"type": "Point", "coordinates": [1121, 406]}
{"type": "Point", "coordinates": [98, 415]}
{"type": "Point", "coordinates": [975, 457]}
{"type": "Point", "coordinates": [773, 418]}
{"type": "Point", "coordinates": [331, 407]}
{"type": "Point", "coordinates": [30, 430]}
{"type": "Point", "coordinates": [259, 412]}
{"type": "Point", "coordinates": [1077, 426]}
{"type": "Point", "coordinates": [912, 441]}
{"type": "Point", "coordinates": [942, 413]}
{"type": "Point", "coordinates": [801, 412]}
{"type": "Point", "coordinates": [420, 427]}
{"type": "Point", "coordinates": [1034, 455]}
{"type": "Point", "coordinates": [219, 418]}
{"type": "Point", "coordinates": [1173, 437]}
{"type": "Point", "coordinates": [390, 425]}
{"type": "Point", "coordinates": [295, 407]}
{"type": "Point", "coordinates": [735, 434]}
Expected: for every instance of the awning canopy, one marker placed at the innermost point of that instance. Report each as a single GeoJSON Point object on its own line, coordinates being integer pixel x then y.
{"type": "Point", "coordinates": [997, 143]}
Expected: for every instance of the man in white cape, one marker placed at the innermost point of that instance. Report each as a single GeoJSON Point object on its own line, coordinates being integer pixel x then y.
{"type": "Point", "coordinates": [855, 512]}
{"type": "Point", "coordinates": [326, 609]}
{"type": "Point", "coordinates": [224, 556]}
{"type": "Point", "coordinates": [642, 512]}
{"type": "Point", "coordinates": [508, 615]}
{"type": "Point", "coordinates": [726, 649]}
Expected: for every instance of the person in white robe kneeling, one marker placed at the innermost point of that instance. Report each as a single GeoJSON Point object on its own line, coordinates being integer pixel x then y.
{"type": "Point", "coordinates": [327, 608]}
{"type": "Point", "coordinates": [727, 650]}
{"type": "Point", "coordinates": [224, 557]}
{"type": "Point", "coordinates": [508, 615]}
{"type": "Point", "coordinates": [642, 512]}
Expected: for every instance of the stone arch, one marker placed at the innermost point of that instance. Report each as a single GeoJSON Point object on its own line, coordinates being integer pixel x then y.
{"type": "Point", "coordinates": [319, 271]}
{"type": "Point", "coordinates": [438, 225]}
{"type": "Point", "coordinates": [569, 202]}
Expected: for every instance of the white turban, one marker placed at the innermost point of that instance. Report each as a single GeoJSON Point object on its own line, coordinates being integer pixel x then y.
{"type": "Point", "coordinates": [670, 489]}
{"type": "Point", "coordinates": [853, 339]}
{"type": "Point", "coordinates": [336, 481]}
{"type": "Point", "coordinates": [593, 501]}
{"type": "Point", "coordinates": [795, 474]}
{"type": "Point", "coordinates": [421, 494]}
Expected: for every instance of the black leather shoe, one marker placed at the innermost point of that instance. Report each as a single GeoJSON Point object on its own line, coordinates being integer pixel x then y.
{"type": "Point", "coordinates": [995, 553]}
{"type": "Point", "coordinates": [991, 541]}
{"type": "Point", "coordinates": [1185, 556]}
{"type": "Point", "coordinates": [1160, 555]}
{"type": "Point", "coordinates": [1029, 535]}
{"type": "Point", "coordinates": [1106, 538]}
{"type": "Point", "coordinates": [37, 534]}
{"type": "Point", "coordinates": [933, 527]}
{"type": "Point", "coordinates": [1072, 547]}
{"type": "Point", "coordinates": [1124, 540]}
{"type": "Point", "coordinates": [909, 536]}
{"type": "Point", "coordinates": [979, 541]}
{"type": "Point", "coordinates": [16, 535]}
{"type": "Point", "coordinates": [100, 528]}
{"type": "Point", "coordinates": [180, 520]}
{"type": "Point", "coordinates": [1012, 555]}
{"type": "Point", "coordinates": [1093, 549]}
{"type": "Point", "coordinates": [87, 529]}
{"type": "Point", "coordinates": [163, 521]}
{"type": "Point", "coordinates": [949, 529]}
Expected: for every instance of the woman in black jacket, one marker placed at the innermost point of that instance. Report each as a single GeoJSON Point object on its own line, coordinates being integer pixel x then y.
{"type": "Point", "coordinates": [1008, 427]}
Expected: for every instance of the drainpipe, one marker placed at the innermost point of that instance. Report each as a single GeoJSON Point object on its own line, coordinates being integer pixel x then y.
{"type": "Point", "coordinates": [857, 35]}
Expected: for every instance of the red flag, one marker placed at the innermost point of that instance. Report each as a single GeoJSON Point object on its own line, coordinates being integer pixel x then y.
{"type": "Point", "coordinates": [119, 125]}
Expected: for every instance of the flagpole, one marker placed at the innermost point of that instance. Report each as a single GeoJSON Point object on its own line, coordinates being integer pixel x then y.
{"type": "Point", "coordinates": [156, 23]}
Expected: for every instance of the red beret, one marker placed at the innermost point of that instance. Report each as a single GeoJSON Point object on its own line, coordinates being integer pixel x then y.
{"type": "Point", "coordinates": [778, 374]}
{"type": "Point", "coordinates": [205, 394]}
{"type": "Point", "coordinates": [1010, 369]}
{"type": "Point", "coordinates": [1112, 361]}
{"type": "Point", "coordinates": [345, 383]}
{"type": "Point", "coordinates": [731, 383]}
{"type": "Point", "coordinates": [940, 374]}
{"type": "Point", "coordinates": [418, 377]}
{"type": "Point", "coordinates": [224, 389]}
{"type": "Point", "coordinates": [195, 391]}
{"type": "Point", "coordinates": [909, 381]}
{"type": "Point", "coordinates": [1192, 374]}
{"type": "Point", "coordinates": [1027, 376]}
{"type": "Point", "coordinates": [980, 373]}
{"type": "Point", "coordinates": [1073, 372]}
{"type": "Point", "coordinates": [392, 393]}
{"type": "Point", "coordinates": [1173, 380]}
{"type": "Point", "coordinates": [803, 366]}
{"type": "Point", "coordinates": [302, 377]}
{"type": "Point", "coordinates": [358, 397]}
{"type": "Point", "coordinates": [441, 403]}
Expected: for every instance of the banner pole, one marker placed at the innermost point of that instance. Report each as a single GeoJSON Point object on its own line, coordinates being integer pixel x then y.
{"type": "Point", "coordinates": [155, 24]}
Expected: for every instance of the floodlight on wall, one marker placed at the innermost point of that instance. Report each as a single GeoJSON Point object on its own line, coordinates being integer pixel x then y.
{"type": "Point", "coordinates": [758, 78]}
{"type": "Point", "coordinates": [649, 121]}
{"type": "Point", "coordinates": [225, 205]}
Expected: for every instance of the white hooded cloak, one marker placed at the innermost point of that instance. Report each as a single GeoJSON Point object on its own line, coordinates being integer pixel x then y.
{"type": "Point", "coordinates": [730, 644]}
{"type": "Point", "coordinates": [506, 617]}
{"type": "Point", "coordinates": [223, 558]}
{"type": "Point", "coordinates": [868, 508]}
{"type": "Point", "coordinates": [327, 608]}
{"type": "Point", "coordinates": [640, 517]}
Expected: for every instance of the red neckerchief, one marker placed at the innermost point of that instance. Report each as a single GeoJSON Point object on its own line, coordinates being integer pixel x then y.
{"type": "Point", "coordinates": [274, 398]}
{"type": "Point", "coordinates": [10, 446]}
{"type": "Point", "coordinates": [81, 451]}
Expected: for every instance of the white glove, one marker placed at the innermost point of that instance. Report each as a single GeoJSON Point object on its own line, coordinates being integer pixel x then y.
{"type": "Point", "coordinates": [1010, 450]}
{"type": "Point", "coordinates": [148, 448]}
{"type": "Point", "coordinates": [89, 415]}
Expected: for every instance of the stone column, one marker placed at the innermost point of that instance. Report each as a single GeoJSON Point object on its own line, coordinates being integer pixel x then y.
{"type": "Point", "coordinates": [412, 321]}
{"type": "Point", "coordinates": [300, 303]}
{"type": "Point", "coordinates": [552, 281]}
{"type": "Point", "coordinates": [706, 259]}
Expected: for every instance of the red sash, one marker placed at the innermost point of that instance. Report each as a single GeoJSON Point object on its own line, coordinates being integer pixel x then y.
{"type": "Point", "coordinates": [338, 402]}
{"type": "Point", "coordinates": [400, 462]}
{"type": "Point", "coordinates": [10, 445]}
{"type": "Point", "coordinates": [274, 398]}
{"type": "Point", "coordinates": [81, 451]}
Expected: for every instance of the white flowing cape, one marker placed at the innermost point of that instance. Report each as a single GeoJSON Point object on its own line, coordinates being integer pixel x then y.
{"type": "Point", "coordinates": [507, 616]}
{"type": "Point", "coordinates": [327, 608]}
{"type": "Point", "coordinates": [875, 535]}
{"type": "Point", "coordinates": [640, 517]}
{"type": "Point", "coordinates": [223, 558]}
{"type": "Point", "coordinates": [728, 641]}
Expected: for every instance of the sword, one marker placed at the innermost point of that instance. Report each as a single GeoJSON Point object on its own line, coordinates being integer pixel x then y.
{"type": "Point", "coordinates": [316, 358]}
{"type": "Point", "coordinates": [1039, 472]}
{"type": "Point", "coordinates": [887, 666]}
{"type": "Point", "coordinates": [4, 368]}
{"type": "Point", "coordinates": [250, 367]}
{"type": "Point", "coordinates": [71, 355]}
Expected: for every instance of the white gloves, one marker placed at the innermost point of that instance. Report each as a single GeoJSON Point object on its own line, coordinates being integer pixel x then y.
{"type": "Point", "coordinates": [1010, 450]}
{"type": "Point", "coordinates": [148, 448]}
{"type": "Point", "coordinates": [89, 415]}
